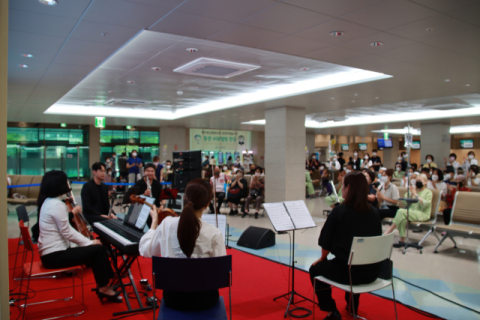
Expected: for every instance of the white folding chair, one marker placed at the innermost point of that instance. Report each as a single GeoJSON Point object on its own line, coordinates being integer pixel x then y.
{"type": "Point", "coordinates": [365, 250]}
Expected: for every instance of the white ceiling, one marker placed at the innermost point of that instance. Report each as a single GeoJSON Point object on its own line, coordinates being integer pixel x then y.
{"type": "Point", "coordinates": [66, 43]}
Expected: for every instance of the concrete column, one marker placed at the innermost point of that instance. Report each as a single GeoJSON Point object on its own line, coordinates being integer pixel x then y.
{"type": "Point", "coordinates": [93, 145]}
{"type": "Point", "coordinates": [258, 147]}
{"type": "Point", "coordinates": [175, 139]}
{"type": "Point", "coordinates": [310, 142]}
{"type": "Point", "coordinates": [390, 155]}
{"type": "Point", "coordinates": [4, 285]}
{"type": "Point", "coordinates": [435, 140]}
{"type": "Point", "coordinates": [285, 137]}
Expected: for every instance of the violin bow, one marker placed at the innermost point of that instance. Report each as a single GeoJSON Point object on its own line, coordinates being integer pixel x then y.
{"type": "Point", "coordinates": [215, 195]}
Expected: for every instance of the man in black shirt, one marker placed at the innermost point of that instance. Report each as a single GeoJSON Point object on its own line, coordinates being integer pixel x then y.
{"type": "Point", "coordinates": [148, 185]}
{"type": "Point", "coordinates": [341, 160]}
{"type": "Point", "coordinates": [95, 196]}
{"type": "Point", "coordinates": [376, 161]}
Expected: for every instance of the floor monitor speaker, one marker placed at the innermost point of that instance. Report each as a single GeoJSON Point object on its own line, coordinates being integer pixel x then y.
{"type": "Point", "coordinates": [257, 238]}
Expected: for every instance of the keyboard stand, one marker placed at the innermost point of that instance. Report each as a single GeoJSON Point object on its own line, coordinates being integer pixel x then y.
{"type": "Point", "coordinates": [122, 271]}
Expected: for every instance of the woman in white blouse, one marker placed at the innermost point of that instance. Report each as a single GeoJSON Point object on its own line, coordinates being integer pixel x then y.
{"type": "Point", "coordinates": [473, 179]}
{"type": "Point", "coordinates": [186, 236]}
{"type": "Point", "coordinates": [452, 161]}
{"type": "Point", "coordinates": [57, 235]}
{"type": "Point", "coordinates": [470, 160]}
{"type": "Point", "coordinates": [367, 163]}
{"type": "Point", "coordinates": [437, 183]}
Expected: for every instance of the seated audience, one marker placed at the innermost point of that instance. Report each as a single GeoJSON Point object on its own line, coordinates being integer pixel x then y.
{"type": "Point", "coordinates": [251, 170]}
{"type": "Point", "coordinates": [426, 171]}
{"type": "Point", "coordinates": [419, 211]}
{"type": "Point", "coordinates": [437, 183]}
{"type": "Point", "coordinates": [354, 217]}
{"type": "Point", "coordinates": [331, 200]}
{"type": "Point", "coordinates": [452, 162]}
{"type": "Point", "coordinates": [186, 236]}
{"type": "Point", "coordinates": [238, 190]}
{"type": "Point", "coordinates": [325, 176]}
{"type": "Point", "coordinates": [398, 174]}
{"type": "Point", "coordinates": [414, 166]}
{"type": "Point", "coordinates": [473, 179]}
{"type": "Point", "coordinates": [411, 175]}
{"type": "Point", "coordinates": [388, 196]}
{"type": "Point", "coordinates": [218, 182]}
{"type": "Point", "coordinates": [470, 160]}
{"type": "Point", "coordinates": [334, 164]}
{"type": "Point", "coordinates": [309, 184]}
{"type": "Point", "coordinates": [257, 192]}
{"type": "Point", "coordinates": [452, 190]}
{"type": "Point", "coordinates": [247, 161]}
{"type": "Point", "coordinates": [372, 192]}
{"type": "Point", "coordinates": [430, 164]}
{"type": "Point", "coordinates": [450, 176]}
{"type": "Point", "coordinates": [313, 164]}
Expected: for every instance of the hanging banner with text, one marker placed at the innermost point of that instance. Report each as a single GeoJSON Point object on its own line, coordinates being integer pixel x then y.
{"type": "Point", "coordinates": [218, 140]}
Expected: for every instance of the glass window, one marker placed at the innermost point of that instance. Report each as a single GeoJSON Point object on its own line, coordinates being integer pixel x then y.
{"type": "Point", "coordinates": [22, 135]}
{"type": "Point", "coordinates": [150, 137]}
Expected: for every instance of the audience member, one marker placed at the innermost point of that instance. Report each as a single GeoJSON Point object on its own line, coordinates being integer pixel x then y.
{"type": "Point", "coordinates": [426, 171]}
{"type": "Point", "coordinates": [133, 165]}
{"type": "Point", "coordinates": [341, 160]}
{"type": "Point", "coordinates": [450, 176]}
{"type": "Point", "coordinates": [251, 170]}
{"type": "Point", "coordinates": [229, 161]}
{"type": "Point", "coordinates": [238, 190]}
{"type": "Point", "coordinates": [430, 164]}
{"type": "Point", "coordinates": [257, 192]}
{"type": "Point", "coordinates": [247, 161]}
{"type": "Point", "coordinates": [218, 182]}
{"type": "Point", "coordinates": [313, 164]}
{"type": "Point", "coordinates": [372, 192]}
{"type": "Point", "coordinates": [414, 166]}
{"type": "Point", "coordinates": [398, 174]}
{"type": "Point", "coordinates": [470, 160]}
{"type": "Point", "coordinates": [158, 169]}
{"type": "Point", "coordinates": [473, 179]}
{"type": "Point", "coordinates": [411, 175]}
{"type": "Point", "coordinates": [309, 184]}
{"type": "Point", "coordinates": [376, 160]}
{"type": "Point", "coordinates": [331, 200]}
{"type": "Point", "coordinates": [355, 161]}
{"type": "Point", "coordinates": [460, 181]}
{"type": "Point", "coordinates": [212, 161]}
{"type": "Point", "coordinates": [206, 162]}
{"type": "Point", "coordinates": [437, 183]}
{"type": "Point", "coordinates": [388, 196]}
{"type": "Point", "coordinates": [122, 165]}
{"type": "Point", "coordinates": [452, 162]}
{"type": "Point", "coordinates": [238, 163]}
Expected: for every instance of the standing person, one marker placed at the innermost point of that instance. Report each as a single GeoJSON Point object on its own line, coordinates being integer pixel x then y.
{"type": "Point", "coordinates": [158, 169]}
{"type": "Point", "coordinates": [229, 161]}
{"type": "Point", "coordinates": [238, 190]}
{"type": "Point", "coordinates": [220, 180]}
{"type": "Point", "coordinates": [257, 191]}
{"type": "Point", "coordinates": [353, 218]}
{"type": "Point", "coordinates": [133, 165]}
{"type": "Point", "coordinates": [388, 196]}
{"type": "Point", "coordinates": [376, 160]}
{"type": "Point", "coordinates": [122, 165]}
{"type": "Point", "coordinates": [56, 234]}
{"type": "Point", "coordinates": [95, 196]}
{"type": "Point", "coordinates": [186, 236]}
{"type": "Point", "coordinates": [206, 162]}
{"type": "Point", "coordinates": [367, 163]}
{"type": "Point", "coordinates": [108, 163]}
{"type": "Point", "coordinates": [341, 160]}
{"type": "Point", "coordinates": [238, 163]}
{"type": "Point", "coordinates": [334, 164]}
{"type": "Point", "coordinates": [313, 164]}
{"type": "Point", "coordinates": [419, 211]}
{"type": "Point", "coordinates": [429, 162]}
{"type": "Point", "coordinates": [247, 161]}
{"type": "Point", "coordinates": [356, 162]}
{"type": "Point", "coordinates": [470, 160]}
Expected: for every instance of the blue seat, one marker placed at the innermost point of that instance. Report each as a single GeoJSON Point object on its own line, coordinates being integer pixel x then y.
{"type": "Point", "coordinates": [191, 275]}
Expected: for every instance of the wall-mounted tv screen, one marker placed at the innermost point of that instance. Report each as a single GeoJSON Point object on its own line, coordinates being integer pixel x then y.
{"type": "Point", "coordinates": [220, 157]}
{"type": "Point", "coordinates": [384, 143]}
{"type": "Point", "coordinates": [362, 147]}
{"type": "Point", "coordinates": [345, 147]}
{"type": "Point", "coordinates": [466, 144]}
{"type": "Point", "coordinates": [415, 145]}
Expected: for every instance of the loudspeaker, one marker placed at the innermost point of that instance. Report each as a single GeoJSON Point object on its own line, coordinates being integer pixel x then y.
{"type": "Point", "coordinates": [257, 238]}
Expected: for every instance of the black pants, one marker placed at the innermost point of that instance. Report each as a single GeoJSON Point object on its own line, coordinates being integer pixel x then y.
{"type": "Point", "coordinates": [93, 256]}
{"type": "Point", "coordinates": [220, 196]}
{"type": "Point", "coordinates": [338, 271]}
{"type": "Point", "coordinates": [388, 213]}
{"type": "Point", "coordinates": [191, 301]}
{"type": "Point", "coordinates": [447, 216]}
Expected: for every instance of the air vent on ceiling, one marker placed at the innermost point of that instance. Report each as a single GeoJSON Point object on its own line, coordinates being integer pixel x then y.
{"type": "Point", "coordinates": [215, 68]}
{"type": "Point", "coordinates": [126, 102]}
{"type": "Point", "coordinates": [446, 104]}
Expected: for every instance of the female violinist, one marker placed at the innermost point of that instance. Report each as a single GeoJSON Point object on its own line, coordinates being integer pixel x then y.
{"type": "Point", "coordinates": [56, 236]}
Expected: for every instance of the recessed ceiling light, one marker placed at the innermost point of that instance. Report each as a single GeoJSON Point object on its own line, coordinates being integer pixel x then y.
{"type": "Point", "coordinates": [332, 98]}
{"type": "Point", "coordinates": [104, 34]}
{"type": "Point", "coordinates": [467, 85]}
{"type": "Point", "coordinates": [23, 66]}
{"type": "Point", "coordinates": [304, 69]}
{"type": "Point", "coordinates": [192, 50]}
{"type": "Point", "coordinates": [376, 97]}
{"type": "Point", "coordinates": [447, 80]}
{"type": "Point", "coordinates": [376, 44]}
{"type": "Point", "coordinates": [27, 55]}
{"type": "Point", "coordinates": [353, 100]}
{"type": "Point", "coordinates": [193, 88]}
{"type": "Point", "coordinates": [356, 94]}
{"type": "Point", "coordinates": [130, 81]}
{"type": "Point", "coordinates": [111, 91]}
{"type": "Point", "coordinates": [337, 33]}
{"type": "Point", "coordinates": [429, 29]}
{"type": "Point", "coordinates": [257, 81]}
{"type": "Point", "coordinates": [179, 92]}
{"type": "Point", "coordinates": [155, 68]}
{"type": "Point", "coordinates": [48, 2]}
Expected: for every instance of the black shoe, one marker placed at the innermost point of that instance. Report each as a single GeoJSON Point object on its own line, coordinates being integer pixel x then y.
{"type": "Point", "coordinates": [334, 316]}
{"type": "Point", "coordinates": [244, 215]}
{"type": "Point", "coordinates": [231, 213]}
{"type": "Point", "coordinates": [349, 310]}
{"type": "Point", "coordinates": [115, 298]}
{"type": "Point", "coordinates": [256, 215]}
{"type": "Point", "coordinates": [400, 244]}
{"type": "Point", "coordinates": [236, 211]}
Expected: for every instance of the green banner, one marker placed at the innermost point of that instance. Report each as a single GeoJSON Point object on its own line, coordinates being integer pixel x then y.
{"type": "Point", "coordinates": [219, 140]}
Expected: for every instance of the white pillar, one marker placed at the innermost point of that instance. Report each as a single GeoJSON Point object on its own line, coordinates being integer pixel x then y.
{"type": "Point", "coordinates": [93, 146]}
{"type": "Point", "coordinates": [285, 138]}
{"type": "Point", "coordinates": [175, 139]}
{"type": "Point", "coordinates": [435, 140]}
{"type": "Point", "coordinates": [310, 142]}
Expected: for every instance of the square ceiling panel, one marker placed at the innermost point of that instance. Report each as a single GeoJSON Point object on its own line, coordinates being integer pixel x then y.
{"type": "Point", "coordinates": [247, 36]}
{"type": "Point", "coordinates": [322, 31]}
{"type": "Point", "coordinates": [333, 8]}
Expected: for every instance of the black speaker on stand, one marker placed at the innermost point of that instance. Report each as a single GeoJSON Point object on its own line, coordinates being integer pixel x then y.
{"type": "Point", "coordinates": [257, 238]}
{"type": "Point", "coordinates": [187, 165]}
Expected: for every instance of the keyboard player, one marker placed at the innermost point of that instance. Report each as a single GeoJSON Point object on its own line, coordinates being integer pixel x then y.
{"type": "Point", "coordinates": [95, 196]}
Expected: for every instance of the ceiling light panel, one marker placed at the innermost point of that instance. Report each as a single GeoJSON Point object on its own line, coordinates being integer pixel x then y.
{"type": "Point", "coordinates": [226, 76]}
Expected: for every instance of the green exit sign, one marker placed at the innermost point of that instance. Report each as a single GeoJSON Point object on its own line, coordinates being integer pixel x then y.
{"type": "Point", "coordinates": [63, 125]}
{"type": "Point", "coordinates": [99, 122]}
{"type": "Point", "coordinates": [129, 127]}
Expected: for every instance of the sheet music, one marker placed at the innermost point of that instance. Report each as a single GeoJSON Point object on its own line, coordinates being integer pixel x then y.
{"type": "Point", "coordinates": [145, 213]}
{"type": "Point", "coordinates": [222, 222]}
{"type": "Point", "coordinates": [279, 216]}
{"type": "Point", "coordinates": [300, 215]}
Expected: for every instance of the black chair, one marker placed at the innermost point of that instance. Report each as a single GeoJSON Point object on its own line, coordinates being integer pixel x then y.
{"type": "Point", "coordinates": [190, 275]}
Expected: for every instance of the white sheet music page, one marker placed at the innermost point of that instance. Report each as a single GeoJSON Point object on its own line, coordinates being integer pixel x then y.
{"type": "Point", "coordinates": [222, 222]}
{"type": "Point", "coordinates": [300, 215]}
{"type": "Point", "coordinates": [145, 213]}
{"type": "Point", "coordinates": [279, 216]}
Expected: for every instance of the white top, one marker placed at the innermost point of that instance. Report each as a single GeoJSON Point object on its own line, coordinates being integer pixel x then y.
{"type": "Point", "coordinates": [335, 165]}
{"type": "Point", "coordinates": [366, 164]}
{"type": "Point", "coordinates": [454, 164]}
{"type": "Point", "coordinates": [390, 192]}
{"type": "Point", "coordinates": [56, 233]}
{"type": "Point", "coordinates": [476, 180]}
{"type": "Point", "coordinates": [467, 163]}
{"type": "Point", "coordinates": [219, 182]}
{"type": "Point", "coordinates": [440, 186]}
{"type": "Point", "coordinates": [246, 164]}
{"type": "Point", "coordinates": [164, 242]}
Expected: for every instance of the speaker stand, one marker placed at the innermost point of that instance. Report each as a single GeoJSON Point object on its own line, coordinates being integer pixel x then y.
{"type": "Point", "coordinates": [291, 295]}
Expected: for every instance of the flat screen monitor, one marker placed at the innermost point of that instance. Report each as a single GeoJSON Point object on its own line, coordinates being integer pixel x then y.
{"type": "Point", "coordinates": [362, 147]}
{"type": "Point", "coordinates": [220, 157]}
{"type": "Point", "coordinates": [384, 143]}
{"type": "Point", "coordinates": [345, 147]}
{"type": "Point", "coordinates": [466, 144]}
{"type": "Point", "coordinates": [415, 145]}
{"type": "Point", "coordinates": [237, 154]}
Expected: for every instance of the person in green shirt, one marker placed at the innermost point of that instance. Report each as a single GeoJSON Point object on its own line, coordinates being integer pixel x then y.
{"type": "Point", "coordinates": [398, 174]}
{"type": "Point", "coordinates": [331, 200]}
{"type": "Point", "coordinates": [309, 184]}
{"type": "Point", "coordinates": [419, 211]}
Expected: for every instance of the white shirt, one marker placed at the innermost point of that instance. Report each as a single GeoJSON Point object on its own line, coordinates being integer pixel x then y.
{"type": "Point", "coordinates": [366, 163]}
{"type": "Point", "coordinates": [335, 165]}
{"type": "Point", "coordinates": [476, 180]}
{"type": "Point", "coordinates": [219, 182]}
{"type": "Point", "coordinates": [56, 233]}
{"type": "Point", "coordinates": [390, 192]}
{"type": "Point", "coordinates": [440, 186]}
{"type": "Point", "coordinates": [246, 164]}
{"type": "Point", "coordinates": [467, 163]}
{"type": "Point", "coordinates": [164, 242]}
{"type": "Point", "coordinates": [454, 164]}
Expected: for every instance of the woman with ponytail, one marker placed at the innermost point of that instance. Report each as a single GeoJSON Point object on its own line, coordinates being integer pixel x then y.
{"type": "Point", "coordinates": [186, 236]}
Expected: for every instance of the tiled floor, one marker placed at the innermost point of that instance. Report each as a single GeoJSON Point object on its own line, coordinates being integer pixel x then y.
{"type": "Point", "coordinates": [453, 273]}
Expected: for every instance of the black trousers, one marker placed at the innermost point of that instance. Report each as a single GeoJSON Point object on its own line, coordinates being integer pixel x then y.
{"type": "Point", "coordinates": [220, 197]}
{"type": "Point", "coordinates": [93, 256]}
{"type": "Point", "coordinates": [338, 271]}
{"type": "Point", "coordinates": [447, 216]}
{"type": "Point", "coordinates": [388, 213]}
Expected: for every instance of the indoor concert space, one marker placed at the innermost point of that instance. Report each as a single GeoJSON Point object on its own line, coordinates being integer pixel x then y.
{"type": "Point", "coordinates": [240, 159]}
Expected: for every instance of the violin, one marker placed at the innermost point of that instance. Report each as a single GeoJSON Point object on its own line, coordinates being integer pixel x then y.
{"type": "Point", "coordinates": [78, 221]}
{"type": "Point", "coordinates": [162, 213]}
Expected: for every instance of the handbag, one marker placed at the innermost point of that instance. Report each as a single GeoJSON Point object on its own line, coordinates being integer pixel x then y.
{"type": "Point", "coordinates": [254, 193]}
{"type": "Point", "coordinates": [234, 191]}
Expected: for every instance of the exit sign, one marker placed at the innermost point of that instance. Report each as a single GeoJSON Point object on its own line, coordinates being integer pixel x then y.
{"type": "Point", "coordinates": [63, 125]}
{"type": "Point", "coordinates": [99, 122]}
{"type": "Point", "coordinates": [129, 127]}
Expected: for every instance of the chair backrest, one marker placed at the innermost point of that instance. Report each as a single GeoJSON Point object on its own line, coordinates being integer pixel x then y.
{"type": "Point", "coordinates": [401, 193]}
{"type": "Point", "coordinates": [466, 208]}
{"type": "Point", "coordinates": [23, 179]}
{"type": "Point", "coordinates": [248, 177]}
{"type": "Point", "coordinates": [398, 183]}
{"type": "Point", "coordinates": [474, 188]}
{"type": "Point", "coordinates": [27, 240]}
{"type": "Point", "coordinates": [22, 214]}
{"type": "Point", "coordinates": [368, 250]}
{"type": "Point", "coordinates": [33, 192]}
{"type": "Point", "coordinates": [435, 203]}
{"type": "Point", "coordinates": [194, 274]}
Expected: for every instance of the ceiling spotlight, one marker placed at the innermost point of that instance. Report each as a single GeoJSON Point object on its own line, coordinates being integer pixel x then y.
{"type": "Point", "coordinates": [467, 85]}
{"type": "Point", "coordinates": [447, 80]}
{"type": "Point", "coordinates": [48, 2]}
{"type": "Point", "coordinates": [332, 98]}
{"type": "Point", "coordinates": [337, 33]}
{"type": "Point", "coordinates": [353, 100]}
{"type": "Point", "coordinates": [376, 97]}
{"type": "Point", "coordinates": [23, 66]}
{"type": "Point", "coordinates": [376, 44]}
{"type": "Point", "coordinates": [192, 50]}
{"type": "Point", "coordinates": [304, 69]}
{"type": "Point", "coordinates": [429, 29]}
{"type": "Point", "coordinates": [27, 55]}
{"type": "Point", "coordinates": [155, 68]}
{"type": "Point", "coordinates": [356, 94]}
{"type": "Point", "coordinates": [130, 81]}
{"type": "Point", "coordinates": [179, 92]}
{"type": "Point", "coordinates": [104, 34]}
{"type": "Point", "coordinates": [111, 91]}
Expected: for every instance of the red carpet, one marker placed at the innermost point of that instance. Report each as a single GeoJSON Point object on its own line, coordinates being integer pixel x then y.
{"type": "Point", "coordinates": [256, 282]}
